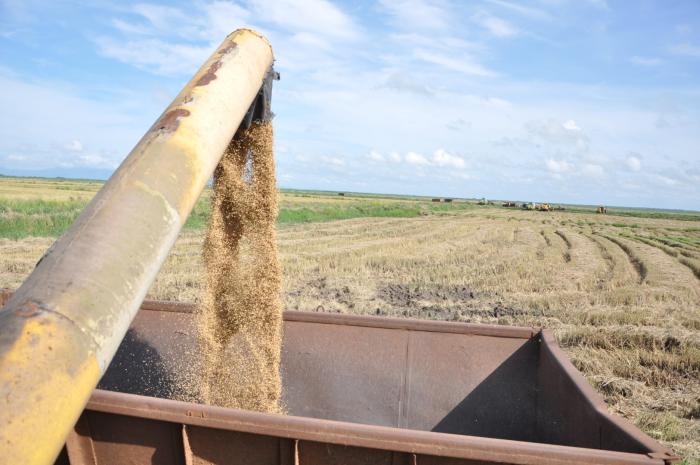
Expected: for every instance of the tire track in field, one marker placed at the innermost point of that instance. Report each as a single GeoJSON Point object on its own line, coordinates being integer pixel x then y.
{"type": "Point", "coordinates": [353, 230]}
{"type": "Point", "coordinates": [636, 263]}
{"type": "Point", "coordinates": [587, 259]}
{"type": "Point", "coordinates": [567, 254]}
{"type": "Point", "coordinates": [546, 238]}
{"type": "Point", "coordinates": [607, 259]}
{"type": "Point", "coordinates": [416, 233]}
{"type": "Point", "coordinates": [671, 252]}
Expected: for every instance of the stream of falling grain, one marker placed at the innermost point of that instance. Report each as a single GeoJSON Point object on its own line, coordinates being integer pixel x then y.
{"type": "Point", "coordinates": [240, 318]}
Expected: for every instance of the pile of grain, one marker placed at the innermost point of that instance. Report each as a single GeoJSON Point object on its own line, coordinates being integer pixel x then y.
{"type": "Point", "coordinates": [239, 320]}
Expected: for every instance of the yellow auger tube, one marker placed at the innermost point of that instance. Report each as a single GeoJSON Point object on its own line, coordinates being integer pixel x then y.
{"type": "Point", "coordinates": [61, 328]}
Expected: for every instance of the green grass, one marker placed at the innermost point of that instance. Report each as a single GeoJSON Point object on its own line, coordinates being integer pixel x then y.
{"type": "Point", "coordinates": [624, 225]}
{"type": "Point", "coordinates": [199, 217]}
{"type": "Point", "coordinates": [659, 215]}
{"type": "Point", "coordinates": [344, 212]}
{"type": "Point", "coordinates": [50, 218]}
{"type": "Point", "coordinates": [23, 218]}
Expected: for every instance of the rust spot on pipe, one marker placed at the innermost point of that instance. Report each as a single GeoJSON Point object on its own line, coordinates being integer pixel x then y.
{"type": "Point", "coordinates": [28, 309]}
{"type": "Point", "coordinates": [171, 120]}
{"type": "Point", "coordinates": [210, 75]}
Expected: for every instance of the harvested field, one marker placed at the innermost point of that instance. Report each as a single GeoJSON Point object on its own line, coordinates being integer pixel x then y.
{"type": "Point", "coordinates": [621, 293]}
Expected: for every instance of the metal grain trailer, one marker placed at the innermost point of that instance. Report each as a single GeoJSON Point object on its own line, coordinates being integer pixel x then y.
{"type": "Point", "coordinates": [359, 390]}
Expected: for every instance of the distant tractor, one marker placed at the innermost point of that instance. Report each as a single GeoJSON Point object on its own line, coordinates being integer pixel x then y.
{"type": "Point", "coordinates": [602, 210]}
{"type": "Point", "coordinates": [510, 204]}
{"type": "Point", "coordinates": [543, 207]}
{"type": "Point", "coordinates": [528, 206]}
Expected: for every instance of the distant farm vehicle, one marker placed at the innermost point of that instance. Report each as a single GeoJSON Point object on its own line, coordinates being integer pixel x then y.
{"type": "Point", "coordinates": [602, 210]}
{"type": "Point", "coordinates": [510, 204]}
{"type": "Point", "coordinates": [543, 207]}
{"type": "Point", "coordinates": [528, 206]}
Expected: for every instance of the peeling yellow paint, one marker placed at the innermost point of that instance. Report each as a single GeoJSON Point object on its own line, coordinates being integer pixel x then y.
{"type": "Point", "coordinates": [174, 215]}
{"type": "Point", "coordinates": [49, 382]}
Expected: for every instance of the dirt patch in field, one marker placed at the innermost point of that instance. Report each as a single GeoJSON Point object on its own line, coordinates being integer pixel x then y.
{"type": "Point", "coordinates": [404, 295]}
{"type": "Point", "coordinates": [334, 298]}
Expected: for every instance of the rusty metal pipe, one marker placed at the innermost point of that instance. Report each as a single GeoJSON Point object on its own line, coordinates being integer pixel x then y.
{"type": "Point", "coordinates": [61, 328]}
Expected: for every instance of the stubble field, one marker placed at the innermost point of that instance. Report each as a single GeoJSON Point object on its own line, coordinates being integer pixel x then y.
{"type": "Point", "coordinates": [621, 293]}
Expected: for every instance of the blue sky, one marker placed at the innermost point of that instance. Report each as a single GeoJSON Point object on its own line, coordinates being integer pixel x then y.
{"type": "Point", "coordinates": [580, 101]}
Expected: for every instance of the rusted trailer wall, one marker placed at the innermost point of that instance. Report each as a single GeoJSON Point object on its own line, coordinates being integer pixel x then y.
{"type": "Point", "coordinates": [363, 390]}
{"type": "Point", "coordinates": [122, 428]}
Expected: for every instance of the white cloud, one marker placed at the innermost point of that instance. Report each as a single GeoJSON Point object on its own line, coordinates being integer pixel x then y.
{"type": "Point", "coordinates": [132, 28]}
{"type": "Point", "coordinates": [463, 64]}
{"type": "Point", "coordinates": [333, 161]}
{"type": "Point", "coordinates": [74, 146]}
{"type": "Point", "coordinates": [602, 4]}
{"type": "Point", "coordinates": [665, 180]}
{"type": "Point", "coordinates": [495, 26]}
{"type": "Point", "coordinates": [565, 133]}
{"type": "Point", "coordinates": [311, 40]}
{"type": "Point", "coordinates": [633, 162]}
{"type": "Point", "coordinates": [173, 41]}
{"type": "Point", "coordinates": [645, 61]}
{"type": "Point", "coordinates": [391, 86]}
{"type": "Point", "coordinates": [220, 18]}
{"type": "Point", "coordinates": [416, 14]}
{"type": "Point", "coordinates": [204, 21]}
{"type": "Point", "coordinates": [91, 160]}
{"type": "Point", "coordinates": [315, 16]}
{"type": "Point", "coordinates": [375, 156]}
{"type": "Point", "coordinates": [155, 55]}
{"type": "Point", "coordinates": [414, 158]}
{"type": "Point", "coordinates": [592, 170]}
{"type": "Point", "coordinates": [160, 16]}
{"type": "Point", "coordinates": [109, 127]}
{"type": "Point", "coordinates": [570, 125]}
{"type": "Point", "coordinates": [498, 102]}
{"type": "Point", "coordinates": [442, 158]}
{"type": "Point", "coordinates": [686, 49]}
{"type": "Point", "coordinates": [402, 82]}
{"type": "Point", "coordinates": [528, 12]}
{"type": "Point", "coordinates": [558, 166]}
{"type": "Point", "coordinates": [458, 124]}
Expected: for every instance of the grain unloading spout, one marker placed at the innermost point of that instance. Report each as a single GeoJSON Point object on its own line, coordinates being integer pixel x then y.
{"type": "Point", "coordinates": [261, 108]}
{"type": "Point", "coordinates": [60, 330]}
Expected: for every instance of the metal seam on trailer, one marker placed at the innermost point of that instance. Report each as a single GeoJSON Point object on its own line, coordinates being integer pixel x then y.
{"type": "Point", "coordinates": [368, 436]}
{"type": "Point", "coordinates": [595, 400]}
